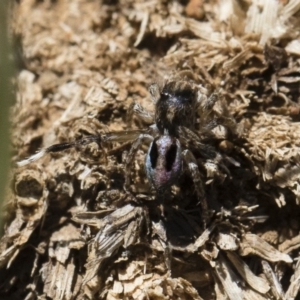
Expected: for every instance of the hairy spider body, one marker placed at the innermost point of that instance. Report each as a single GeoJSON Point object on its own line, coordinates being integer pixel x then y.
{"type": "Point", "coordinates": [183, 117]}
{"type": "Point", "coordinates": [176, 107]}
{"type": "Point", "coordinates": [163, 162]}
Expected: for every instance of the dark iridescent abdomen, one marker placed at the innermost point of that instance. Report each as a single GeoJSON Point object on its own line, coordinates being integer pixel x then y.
{"type": "Point", "coordinates": [163, 162]}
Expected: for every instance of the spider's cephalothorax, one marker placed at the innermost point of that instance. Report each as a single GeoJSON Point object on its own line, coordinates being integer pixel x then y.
{"type": "Point", "coordinates": [176, 107]}
{"type": "Point", "coordinates": [179, 107]}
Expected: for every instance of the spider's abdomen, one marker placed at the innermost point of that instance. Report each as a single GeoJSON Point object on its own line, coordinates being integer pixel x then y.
{"type": "Point", "coordinates": [176, 107]}
{"type": "Point", "coordinates": [163, 162]}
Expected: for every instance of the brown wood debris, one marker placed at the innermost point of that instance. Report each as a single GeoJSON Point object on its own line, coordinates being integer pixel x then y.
{"type": "Point", "coordinates": [71, 230]}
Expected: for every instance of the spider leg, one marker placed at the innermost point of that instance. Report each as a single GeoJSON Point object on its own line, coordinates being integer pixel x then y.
{"type": "Point", "coordinates": [160, 230]}
{"type": "Point", "coordinates": [213, 170]}
{"type": "Point", "coordinates": [227, 122]}
{"type": "Point", "coordinates": [121, 136]}
{"type": "Point", "coordinates": [223, 118]}
{"type": "Point", "coordinates": [154, 92]}
{"type": "Point", "coordinates": [143, 137]}
{"type": "Point", "coordinates": [188, 137]}
{"type": "Point", "coordinates": [207, 104]}
{"type": "Point", "coordinates": [195, 173]}
{"type": "Point", "coordinates": [213, 160]}
{"type": "Point", "coordinates": [141, 113]}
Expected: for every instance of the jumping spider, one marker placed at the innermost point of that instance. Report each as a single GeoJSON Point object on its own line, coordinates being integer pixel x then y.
{"type": "Point", "coordinates": [183, 123]}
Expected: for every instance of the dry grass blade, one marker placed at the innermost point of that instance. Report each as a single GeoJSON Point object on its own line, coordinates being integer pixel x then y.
{"type": "Point", "coordinates": [257, 283]}
{"type": "Point", "coordinates": [228, 279]}
{"type": "Point", "coordinates": [253, 244]}
{"type": "Point", "coordinates": [293, 289]}
{"type": "Point", "coordinates": [273, 280]}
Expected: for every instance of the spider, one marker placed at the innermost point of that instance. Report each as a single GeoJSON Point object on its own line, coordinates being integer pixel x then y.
{"type": "Point", "coordinates": [183, 124]}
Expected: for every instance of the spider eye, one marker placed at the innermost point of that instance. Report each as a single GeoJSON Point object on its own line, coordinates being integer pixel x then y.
{"type": "Point", "coordinates": [163, 162]}
{"type": "Point", "coordinates": [185, 96]}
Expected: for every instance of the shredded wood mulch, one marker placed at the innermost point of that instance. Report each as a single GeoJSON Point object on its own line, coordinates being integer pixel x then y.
{"type": "Point", "coordinates": [71, 229]}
